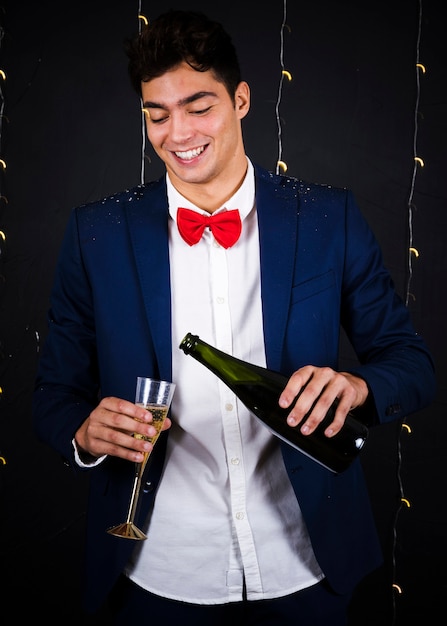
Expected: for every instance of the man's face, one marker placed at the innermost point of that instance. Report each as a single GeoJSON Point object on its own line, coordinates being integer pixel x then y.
{"type": "Point", "coordinates": [195, 128]}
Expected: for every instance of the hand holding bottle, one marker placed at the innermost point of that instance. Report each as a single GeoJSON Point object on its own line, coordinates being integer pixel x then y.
{"type": "Point", "coordinates": [324, 389]}
{"type": "Point", "coordinates": [317, 388]}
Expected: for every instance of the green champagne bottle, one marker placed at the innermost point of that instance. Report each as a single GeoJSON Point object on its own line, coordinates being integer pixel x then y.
{"type": "Point", "coordinates": [259, 389]}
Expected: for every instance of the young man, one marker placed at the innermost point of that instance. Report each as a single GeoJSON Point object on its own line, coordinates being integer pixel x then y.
{"type": "Point", "coordinates": [240, 525]}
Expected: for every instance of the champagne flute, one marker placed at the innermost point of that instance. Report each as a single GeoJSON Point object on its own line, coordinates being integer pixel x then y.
{"type": "Point", "coordinates": [156, 397]}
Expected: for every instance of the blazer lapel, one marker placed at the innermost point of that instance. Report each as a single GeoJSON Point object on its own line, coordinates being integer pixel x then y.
{"type": "Point", "coordinates": [148, 228]}
{"type": "Point", "coordinates": [277, 208]}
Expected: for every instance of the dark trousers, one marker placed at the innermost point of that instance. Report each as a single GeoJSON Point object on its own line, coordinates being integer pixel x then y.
{"type": "Point", "coordinates": [314, 606]}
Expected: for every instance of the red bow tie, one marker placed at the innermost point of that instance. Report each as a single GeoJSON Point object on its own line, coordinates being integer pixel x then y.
{"type": "Point", "coordinates": [226, 227]}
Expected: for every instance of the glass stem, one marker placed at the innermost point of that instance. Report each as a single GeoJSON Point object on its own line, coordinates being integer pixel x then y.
{"type": "Point", "coordinates": [135, 492]}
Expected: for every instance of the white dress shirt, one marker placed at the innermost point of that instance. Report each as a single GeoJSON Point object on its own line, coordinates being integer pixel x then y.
{"type": "Point", "coordinates": [224, 510]}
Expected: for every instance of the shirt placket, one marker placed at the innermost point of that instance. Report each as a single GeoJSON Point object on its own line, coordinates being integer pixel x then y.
{"type": "Point", "coordinates": [243, 558]}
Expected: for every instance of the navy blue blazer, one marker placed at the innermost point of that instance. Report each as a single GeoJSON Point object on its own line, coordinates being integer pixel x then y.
{"type": "Point", "coordinates": [110, 321]}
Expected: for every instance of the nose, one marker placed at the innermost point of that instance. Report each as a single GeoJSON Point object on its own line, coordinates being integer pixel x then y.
{"type": "Point", "coordinates": [180, 127]}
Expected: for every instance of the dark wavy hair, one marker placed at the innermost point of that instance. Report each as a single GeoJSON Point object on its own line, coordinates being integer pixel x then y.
{"type": "Point", "coordinates": [177, 36]}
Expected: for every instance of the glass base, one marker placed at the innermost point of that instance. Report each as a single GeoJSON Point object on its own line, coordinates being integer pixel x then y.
{"type": "Point", "coordinates": [128, 531]}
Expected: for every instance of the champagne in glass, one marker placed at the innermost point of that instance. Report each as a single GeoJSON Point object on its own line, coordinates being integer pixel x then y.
{"type": "Point", "coordinates": [159, 413]}
{"type": "Point", "coordinates": [156, 397]}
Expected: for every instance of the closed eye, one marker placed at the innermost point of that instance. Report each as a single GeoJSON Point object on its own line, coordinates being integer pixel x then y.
{"type": "Point", "coordinates": [159, 120]}
{"type": "Point", "coordinates": [201, 111]}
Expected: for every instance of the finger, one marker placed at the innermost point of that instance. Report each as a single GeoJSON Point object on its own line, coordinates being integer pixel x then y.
{"type": "Point", "coordinates": [330, 407]}
{"type": "Point", "coordinates": [166, 424]}
{"type": "Point", "coordinates": [295, 385]}
{"type": "Point", "coordinates": [124, 445]}
{"type": "Point", "coordinates": [124, 407]}
{"type": "Point", "coordinates": [312, 392]}
{"type": "Point", "coordinates": [310, 413]}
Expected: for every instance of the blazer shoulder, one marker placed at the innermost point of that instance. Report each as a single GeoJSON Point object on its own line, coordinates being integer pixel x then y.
{"type": "Point", "coordinates": [301, 188]}
{"type": "Point", "coordinates": [119, 201]}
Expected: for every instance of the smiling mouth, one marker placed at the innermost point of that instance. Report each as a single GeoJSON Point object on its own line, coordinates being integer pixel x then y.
{"type": "Point", "coordinates": [190, 154]}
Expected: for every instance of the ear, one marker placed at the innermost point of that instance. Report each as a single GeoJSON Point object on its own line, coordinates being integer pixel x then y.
{"type": "Point", "coordinates": [242, 99]}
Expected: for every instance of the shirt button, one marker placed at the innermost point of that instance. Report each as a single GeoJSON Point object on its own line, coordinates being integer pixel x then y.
{"type": "Point", "coordinates": [234, 461]}
{"type": "Point", "coordinates": [220, 300]}
{"type": "Point", "coordinates": [239, 516]}
{"type": "Point", "coordinates": [228, 406]}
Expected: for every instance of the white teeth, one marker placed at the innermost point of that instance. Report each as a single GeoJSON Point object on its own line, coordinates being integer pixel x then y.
{"type": "Point", "coordinates": [190, 154]}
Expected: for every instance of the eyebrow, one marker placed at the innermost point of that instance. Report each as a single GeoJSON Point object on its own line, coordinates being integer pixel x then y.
{"type": "Point", "coordinates": [148, 104]}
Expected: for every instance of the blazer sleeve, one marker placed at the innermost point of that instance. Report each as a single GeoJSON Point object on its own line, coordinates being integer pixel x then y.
{"type": "Point", "coordinates": [67, 382]}
{"type": "Point", "coordinates": [393, 359]}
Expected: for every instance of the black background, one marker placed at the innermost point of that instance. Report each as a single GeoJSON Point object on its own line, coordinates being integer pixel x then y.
{"type": "Point", "coordinates": [355, 114]}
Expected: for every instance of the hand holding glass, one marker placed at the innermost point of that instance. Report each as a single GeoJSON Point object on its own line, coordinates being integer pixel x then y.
{"type": "Point", "coordinates": [156, 397]}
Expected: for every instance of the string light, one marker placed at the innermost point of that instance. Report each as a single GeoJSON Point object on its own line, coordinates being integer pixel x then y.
{"type": "Point", "coordinates": [142, 19]}
{"type": "Point", "coordinates": [417, 159]}
{"type": "Point", "coordinates": [413, 252]}
{"type": "Point", "coordinates": [280, 163]}
{"type": "Point", "coordinates": [3, 197]}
